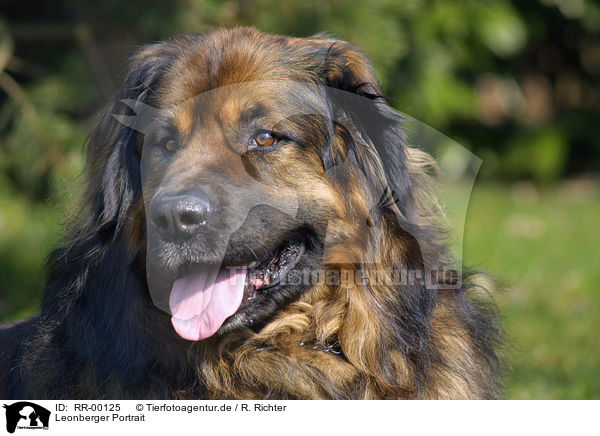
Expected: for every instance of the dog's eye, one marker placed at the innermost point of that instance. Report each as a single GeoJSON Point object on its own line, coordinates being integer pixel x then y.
{"type": "Point", "coordinates": [170, 145]}
{"type": "Point", "coordinates": [265, 139]}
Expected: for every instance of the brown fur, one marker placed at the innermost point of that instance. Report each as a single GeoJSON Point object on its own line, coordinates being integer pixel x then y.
{"type": "Point", "coordinates": [347, 341]}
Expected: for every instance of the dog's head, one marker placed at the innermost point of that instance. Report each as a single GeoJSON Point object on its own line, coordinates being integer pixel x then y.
{"type": "Point", "coordinates": [238, 157]}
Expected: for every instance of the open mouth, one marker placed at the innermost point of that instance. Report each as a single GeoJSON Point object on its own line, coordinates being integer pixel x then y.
{"type": "Point", "coordinates": [206, 295]}
{"type": "Point", "coordinates": [272, 268]}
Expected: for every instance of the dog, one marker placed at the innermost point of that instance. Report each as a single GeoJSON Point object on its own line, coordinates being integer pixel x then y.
{"type": "Point", "coordinates": [249, 198]}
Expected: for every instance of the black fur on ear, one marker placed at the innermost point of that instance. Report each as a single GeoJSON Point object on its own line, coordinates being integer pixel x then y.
{"type": "Point", "coordinates": [374, 123]}
{"type": "Point", "coordinates": [113, 149]}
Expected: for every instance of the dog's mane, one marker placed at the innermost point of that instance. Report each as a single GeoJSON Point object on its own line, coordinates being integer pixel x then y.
{"type": "Point", "coordinates": [99, 335]}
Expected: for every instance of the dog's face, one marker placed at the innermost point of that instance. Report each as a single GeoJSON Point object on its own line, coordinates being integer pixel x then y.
{"type": "Point", "coordinates": [232, 180]}
{"type": "Point", "coordinates": [241, 176]}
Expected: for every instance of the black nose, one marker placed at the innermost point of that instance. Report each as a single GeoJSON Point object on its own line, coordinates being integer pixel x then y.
{"type": "Point", "coordinates": [179, 217]}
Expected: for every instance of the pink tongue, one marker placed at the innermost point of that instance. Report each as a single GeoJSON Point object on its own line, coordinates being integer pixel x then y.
{"type": "Point", "coordinates": [204, 299]}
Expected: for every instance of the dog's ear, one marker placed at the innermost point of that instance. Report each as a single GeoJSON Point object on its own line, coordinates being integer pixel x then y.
{"type": "Point", "coordinates": [379, 139]}
{"type": "Point", "coordinates": [112, 161]}
{"type": "Point", "coordinates": [345, 67]}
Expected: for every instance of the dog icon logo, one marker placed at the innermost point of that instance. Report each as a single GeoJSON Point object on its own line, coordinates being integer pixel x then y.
{"type": "Point", "coordinates": [26, 415]}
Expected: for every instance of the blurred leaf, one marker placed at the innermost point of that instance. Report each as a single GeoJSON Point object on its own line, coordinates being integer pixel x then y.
{"type": "Point", "coordinates": [540, 154]}
{"type": "Point", "coordinates": [500, 27]}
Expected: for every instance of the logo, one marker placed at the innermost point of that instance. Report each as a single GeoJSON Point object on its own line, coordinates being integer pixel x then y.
{"type": "Point", "coordinates": [26, 415]}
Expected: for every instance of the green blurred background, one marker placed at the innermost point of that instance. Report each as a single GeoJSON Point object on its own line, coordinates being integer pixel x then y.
{"type": "Point", "coordinates": [517, 83]}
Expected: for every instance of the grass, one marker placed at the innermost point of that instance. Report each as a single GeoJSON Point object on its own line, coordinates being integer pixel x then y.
{"type": "Point", "coordinates": [542, 244]}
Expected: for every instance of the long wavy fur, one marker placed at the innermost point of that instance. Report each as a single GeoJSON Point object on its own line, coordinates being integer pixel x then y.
{"type": "Point", "coordinates": [99, 335]}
